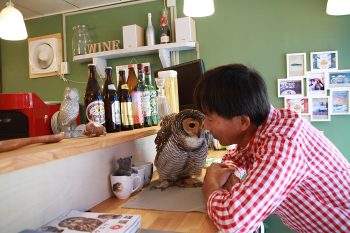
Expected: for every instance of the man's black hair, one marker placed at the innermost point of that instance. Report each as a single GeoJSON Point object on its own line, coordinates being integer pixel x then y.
{"type": "Point", "coordinates": [233, 90]}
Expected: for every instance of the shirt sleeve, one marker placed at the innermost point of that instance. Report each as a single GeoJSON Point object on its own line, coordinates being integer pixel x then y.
{"type": "Point", "coordinates": [277, 168]}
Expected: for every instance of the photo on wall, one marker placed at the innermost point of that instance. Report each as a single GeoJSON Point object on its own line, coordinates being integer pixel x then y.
{"type": "Point", "coordinates": [339, 79]}
{"type": "Point", "coordinates": [290, 87]}
{"type": "Point", "coordinates": [320, 109]}
{"type": "Point", "coordinates": [299, 105]}
{"type": "Point", "coordinates": [327, 60]}
{"type": "Point", "coordinates": [296, 65]}
{"type": "Point", "coordinates": [340, 102]}
{"type": "Point", "coordinates": [316, 84]}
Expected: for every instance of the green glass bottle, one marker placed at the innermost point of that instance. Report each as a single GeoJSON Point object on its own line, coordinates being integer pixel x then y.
{"type": "Point", "coordinates": [153, 95]}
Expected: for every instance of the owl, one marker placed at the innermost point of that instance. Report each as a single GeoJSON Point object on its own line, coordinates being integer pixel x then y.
{"type": "Point", "coordinates": [181, 149]}
{"type": "Point", "coordinates": [69, 109]}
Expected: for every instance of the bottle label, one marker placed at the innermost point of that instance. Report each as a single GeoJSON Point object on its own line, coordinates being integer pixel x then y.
{"type": "Point", "coordinates": [164, 39]}
{"type": "Point", "coordinates": [111, 87]}
{"type": "Point", "coordinates": [153, 102]}
{"type": "Point", "coordinates": [126, 113]}
{"type": "Point", "coordinates": [95, 112]}
{"type": "Point", "coordinates": [146, 103]}
{"type": "Point", "coordinates": [115, 106]}
{"type": "Point", "coordinates": [136, 97]}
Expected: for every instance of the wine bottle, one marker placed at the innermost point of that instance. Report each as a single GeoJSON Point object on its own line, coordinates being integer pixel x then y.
{"type": "Point", "coordinates": [136, 96]}
{"type": "Point", "coordinates": [111, 103]}
{"type": "Point", "coordinates": [146, 103]}
{"type": "Point", "coordinates": [150, 38]}
{"type": "Point", "coordinates": [93, 100]}
{"type": "Point", "coordinates": [153, 96]}
{"type": "Point", "coordinates": [164, 28]}
{"type": "Point", "coordinates": [125, 103]}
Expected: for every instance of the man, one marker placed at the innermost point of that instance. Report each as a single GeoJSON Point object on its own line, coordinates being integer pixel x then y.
{"type": "Point", "coordinates": [290, 168]}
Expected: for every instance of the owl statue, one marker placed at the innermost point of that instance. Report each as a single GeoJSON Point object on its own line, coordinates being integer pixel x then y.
{"type": "Point", "coordinates": [181, 149]}
{"type": "Point", "coordinates": [69, 110]}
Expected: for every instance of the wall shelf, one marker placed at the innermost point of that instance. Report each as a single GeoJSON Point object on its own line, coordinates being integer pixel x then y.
{"type": "Point", "coordinates": [163, 51]}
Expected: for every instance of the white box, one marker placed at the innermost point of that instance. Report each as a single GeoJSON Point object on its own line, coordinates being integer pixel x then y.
{"type": "Point", "coordinates": [133, 36]}
{"type": "Point", "coordinates": [185, 29]}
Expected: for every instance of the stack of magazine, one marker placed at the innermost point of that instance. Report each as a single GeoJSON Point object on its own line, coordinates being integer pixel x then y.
{"type": "Point", "coordinates": [78, 222]}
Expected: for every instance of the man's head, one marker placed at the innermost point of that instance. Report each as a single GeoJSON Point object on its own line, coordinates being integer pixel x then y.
{"type": "Point", "coordinates": [233, 92]}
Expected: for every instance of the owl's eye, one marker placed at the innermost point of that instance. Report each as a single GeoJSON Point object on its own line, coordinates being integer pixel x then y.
{"type": "Point", "coordinates": [192, 125]}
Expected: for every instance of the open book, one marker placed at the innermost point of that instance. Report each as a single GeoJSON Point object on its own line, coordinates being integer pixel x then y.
{"type": "Point", "coordinates": [79, 222]}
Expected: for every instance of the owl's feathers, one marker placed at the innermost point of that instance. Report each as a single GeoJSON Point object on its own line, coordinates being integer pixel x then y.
{"type": "Point", "coordinates": [181, 147]}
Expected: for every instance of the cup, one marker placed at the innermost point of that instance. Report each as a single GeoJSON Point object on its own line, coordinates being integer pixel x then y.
{"type": "Point", "coordinates": [124, 186]}
{"type": "Point", "coordinates": [148, 171]}
{"type": "Point", "coordinates": [141, 174]}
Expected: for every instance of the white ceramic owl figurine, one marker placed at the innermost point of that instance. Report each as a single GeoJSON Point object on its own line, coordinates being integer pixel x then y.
{"type": "Point", "coordinates": [69, 110]}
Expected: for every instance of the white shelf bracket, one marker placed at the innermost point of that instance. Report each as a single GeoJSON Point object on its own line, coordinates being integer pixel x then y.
{"type": "Point", "coordinates": [100, 65]}
{"type": "Point", "coordinates": [164, 56]}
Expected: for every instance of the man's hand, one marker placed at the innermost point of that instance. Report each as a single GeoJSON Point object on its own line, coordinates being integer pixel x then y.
{"type": "Point", "coordinates": [216, 177]}
{"type": "Point", "coordinates": [231, 181]}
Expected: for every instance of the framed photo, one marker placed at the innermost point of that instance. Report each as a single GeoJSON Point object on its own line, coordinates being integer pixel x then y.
{"type": "Point", "coordinates": [340, 102]}
{"type": "Point", "coordinates": [327, 60]}
{"type": "Point", "coordinates": [316, 84]}
{"type": "Point", "coordinates": [320, 109]}
{"type": "Point", "coordinates": [290, 87]}
{"type": "Point", "coordinates": [339, 79]}
{"type": "Point", "coordinates": [299, 105]}
{"type": "Point", "coordinates": [296, 65]}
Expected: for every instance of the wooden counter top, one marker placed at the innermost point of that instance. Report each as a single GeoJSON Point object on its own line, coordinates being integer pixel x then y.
{"type": "Point", "coordinates": [191, 222]}
{"type": "Point", "coordinates": [41, 153]}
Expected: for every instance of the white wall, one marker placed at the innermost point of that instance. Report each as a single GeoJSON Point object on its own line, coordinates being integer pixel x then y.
{"type": "Point", "coordinates": [35, 195]}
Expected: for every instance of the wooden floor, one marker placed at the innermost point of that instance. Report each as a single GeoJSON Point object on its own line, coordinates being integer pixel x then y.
{"type": "Point", "coordinates": [191, 222]}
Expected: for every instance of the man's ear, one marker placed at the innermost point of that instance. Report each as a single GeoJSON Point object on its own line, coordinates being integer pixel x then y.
{"type": "Point", "coordinates": [245, 122]}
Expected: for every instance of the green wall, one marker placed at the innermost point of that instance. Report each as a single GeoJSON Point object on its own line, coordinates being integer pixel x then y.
{"type": "Point", "coordinates": [254, 32]}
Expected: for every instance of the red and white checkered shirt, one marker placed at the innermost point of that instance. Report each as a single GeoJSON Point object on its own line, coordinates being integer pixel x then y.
{"type": "Point", "coordinates": [292, 171]}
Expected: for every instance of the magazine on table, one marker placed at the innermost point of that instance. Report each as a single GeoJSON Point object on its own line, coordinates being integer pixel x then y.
{"type": "Point", "coordinates": [78, 222]}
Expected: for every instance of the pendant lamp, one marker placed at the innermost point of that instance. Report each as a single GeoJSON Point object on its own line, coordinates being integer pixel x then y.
{"type": "Point", "coordinates": [338, 7]}
{"type": "Point", "coordinates": [12, 25]}
{"type": "Point", "coordinates": [198, 8]}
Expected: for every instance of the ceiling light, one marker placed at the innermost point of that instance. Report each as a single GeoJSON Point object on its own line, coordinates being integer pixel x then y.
{"type": "Point", "coordinates": [338, 7]}
{"type": "Point", "coordinates": [12, 25]}
{"type": "Point", "coordinates": [198, 8]}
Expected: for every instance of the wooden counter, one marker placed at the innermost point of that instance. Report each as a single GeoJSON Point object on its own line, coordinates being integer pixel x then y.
{"type": "Point", "coordinates": [42, 153]}
{"type": "Point", "coordinates": [190, 222]}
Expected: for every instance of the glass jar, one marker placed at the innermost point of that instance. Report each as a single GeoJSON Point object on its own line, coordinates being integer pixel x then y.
{"type": "Point", "coordinates": [80, 40]}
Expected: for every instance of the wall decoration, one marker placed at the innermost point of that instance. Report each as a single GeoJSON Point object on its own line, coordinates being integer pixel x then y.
{"type": "Point", "coordinates": [299, 105]}
{"type": "Point", "coordinates": [290, 87]}
{"type": "Point", "coordinates": [340, 102]}
{"type": "Point", "coordinates": [316, 84]}
{"type": "Point", "coordinates": [45, 55]}
{"type": "Point", "coordinates": [296, 65]}
{"type": "Point", "coordinates": [339, 79]}
{"type": "Point", "coordinates": [327, 60]}
{"type": "Point", "coordinates": [320, 109]}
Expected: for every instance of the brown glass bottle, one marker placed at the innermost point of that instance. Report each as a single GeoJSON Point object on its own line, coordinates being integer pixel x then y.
{"type": "Point", "coordinates": [94, 105]}
{"type": "Point", "coordinates": [132, 79]}
{"type": "Point", "coordinates": [111, 103]}
{"type": "Point", "coordinates": [127, 120]}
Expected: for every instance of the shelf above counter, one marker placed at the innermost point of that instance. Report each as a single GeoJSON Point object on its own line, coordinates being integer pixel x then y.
{"type": "Point", "coordinates": [42, 153]}
{"type": "Point", "coordinates": [163, 51]}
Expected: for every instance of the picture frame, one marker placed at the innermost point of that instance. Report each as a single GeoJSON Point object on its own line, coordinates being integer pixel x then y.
{"type": "Point", "coordinates": [340, 102]}
{"type": "Point", "coordinates": [338, 79]}
{"type": "Point", "coordinates": [326, 60]}
{"type": "Point", "coordinates": [293, 87]}
{"type": "Point", "coordinates": [299, 105]}
{"type": "Point", "coordinates": [320, 110]}
{"type": "Point", "coordinates": [296, 64]}
{"type": "Point", "coordinates": [316, 84]}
